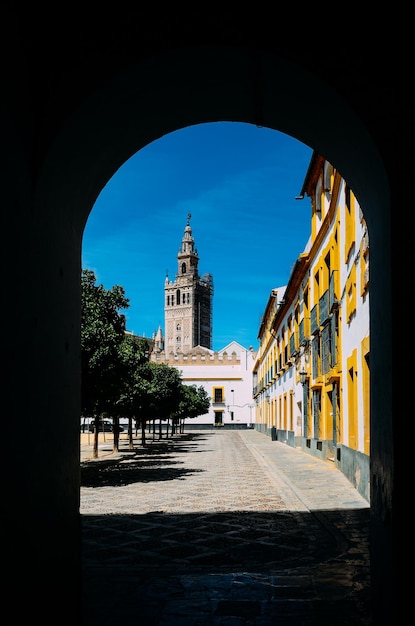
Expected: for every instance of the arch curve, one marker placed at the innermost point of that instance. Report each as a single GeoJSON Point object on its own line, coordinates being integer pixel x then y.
{"type": "Point", "coordinates": [211, 84]}
{"type": "Point", "coordinates": [58, 154]}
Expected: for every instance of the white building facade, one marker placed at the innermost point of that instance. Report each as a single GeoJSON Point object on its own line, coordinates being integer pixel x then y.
{"type": "Point", "coordinates": [226, 376]}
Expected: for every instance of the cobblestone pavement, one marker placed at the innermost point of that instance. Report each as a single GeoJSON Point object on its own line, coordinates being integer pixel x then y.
{"type": "Point", "coordinates": [221, 528]}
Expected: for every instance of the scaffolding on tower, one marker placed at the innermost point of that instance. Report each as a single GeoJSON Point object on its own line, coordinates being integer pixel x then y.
{"type": "Point", "coordinates": [205, 310]}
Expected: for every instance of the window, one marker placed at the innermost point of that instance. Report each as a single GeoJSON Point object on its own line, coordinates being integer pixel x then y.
{"type": "Point", "coordinates": [316, 355]}
{"type": "Point", "coordinates": [318, 196]}
{"type": "Point", "coordinates": [218, 394]}
{"type": "Point", "coordinates": [316, 408]}
{"type": "Point", "coordinates": [349, 217]}
{"type": "Point", "coordinates": [326, 349]}
{"type": "Point", "coordinates": [351, 294]}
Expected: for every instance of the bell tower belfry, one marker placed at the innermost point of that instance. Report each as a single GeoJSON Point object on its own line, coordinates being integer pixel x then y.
{"type": "Point", "coordinates": [188, 301]}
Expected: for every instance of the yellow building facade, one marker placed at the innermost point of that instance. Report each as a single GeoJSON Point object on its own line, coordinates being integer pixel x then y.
{"type": "Point", "coordinates": [311, 379]}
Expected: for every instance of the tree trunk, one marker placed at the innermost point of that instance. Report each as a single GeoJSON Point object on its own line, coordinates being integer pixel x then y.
{"type": "Point", "coordinates": [143, 432]}
{"type": "Point", "coordinates": [116, 434]}
{"type": "Point", "coordinates": [130, 434]}
{"type": "Point", "coordinates": [96, 433]}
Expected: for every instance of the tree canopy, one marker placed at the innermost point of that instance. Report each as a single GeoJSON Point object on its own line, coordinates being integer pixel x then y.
{"type": "Point", "coordinates": [102, 334]}
{"type": "Point", "coordinates": [118, 379]}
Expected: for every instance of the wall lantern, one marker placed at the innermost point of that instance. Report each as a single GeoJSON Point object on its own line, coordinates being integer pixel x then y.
{"type": "Point", "coordinates": [303, 377]}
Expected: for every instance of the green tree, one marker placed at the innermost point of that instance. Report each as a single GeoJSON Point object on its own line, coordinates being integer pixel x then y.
{"type": "Point", "coordinates": [153, 392]}
{"type": "Point", "coordinates": [135, 384]}
{"type": "Point", "coordinates": [195, 402]}
{"type": "Point", "coordinates": [167, 391]}
{"type": "Point", "coordinates": [102, 334]}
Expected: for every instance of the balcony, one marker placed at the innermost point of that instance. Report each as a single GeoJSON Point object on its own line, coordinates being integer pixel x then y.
{"type": "Point", "coordinates": [303, 334]}
{"type": "Point", "coordinates": [294, 344]}
{"type": "Point", "coordinates": [324, 308]}
{"type": "Point", "coordinates": [315, 320]}
{"type": "Point", "coordinates": [333, 299]}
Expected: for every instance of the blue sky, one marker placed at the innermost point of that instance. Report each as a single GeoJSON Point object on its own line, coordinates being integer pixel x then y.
{"type": "Point", "coordinates": [239, 183]}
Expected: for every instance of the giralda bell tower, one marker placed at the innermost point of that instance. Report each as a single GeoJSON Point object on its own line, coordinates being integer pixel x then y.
{"type": "Point", "coordinates": [188, 301]}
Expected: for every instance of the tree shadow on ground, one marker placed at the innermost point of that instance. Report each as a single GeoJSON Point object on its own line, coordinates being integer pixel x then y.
{"type": "Point", "coordinates": [153, 462]}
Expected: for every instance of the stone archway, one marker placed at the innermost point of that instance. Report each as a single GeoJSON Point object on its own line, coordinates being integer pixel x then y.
{"type": "Point", "coordinates": [156, 96]}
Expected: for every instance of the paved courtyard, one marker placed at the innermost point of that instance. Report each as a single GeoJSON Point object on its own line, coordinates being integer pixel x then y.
{"type": "Point", "coordinates": [221, 527]}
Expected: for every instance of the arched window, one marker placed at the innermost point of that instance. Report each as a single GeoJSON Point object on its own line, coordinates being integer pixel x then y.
{"type": "Point", "coordinates": [178, 296]}
{"type": "Point", "coordinates": [183, 268]}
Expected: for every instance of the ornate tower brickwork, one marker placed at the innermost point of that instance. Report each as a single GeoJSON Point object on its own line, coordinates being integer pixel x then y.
{"type": "Point", "coordinates": [188, 301]}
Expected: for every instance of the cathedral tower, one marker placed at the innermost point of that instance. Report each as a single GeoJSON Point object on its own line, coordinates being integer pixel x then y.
{"type": "Point", "coordinates": [188, 301]}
